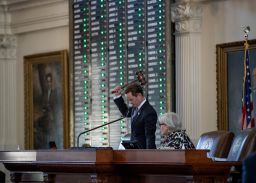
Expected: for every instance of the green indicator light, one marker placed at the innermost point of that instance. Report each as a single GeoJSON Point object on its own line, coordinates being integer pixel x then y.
{"type": "Point", "coordinates": [102, 112]}
{"type": "Point", "coordinates": [121, 83]}
{"type": "Point", "coordinates": [160, 28]}
{"type": "Point", "coordinates": [139, 32]}
{"type": "Point", "coordinates": [160, 11]}
{"type": "Point", "coordinates": [84, 30]}
{"type": "Point", "coordinates": [120, 29]}
{"type": "Point", "coordinates": [160, 40]}
{"type": "Point", "coordinates": [120, 40]}
{"type": "Point", "coordinates": [160, 79]}
{"type": "Point", "coordinates": [140, 59]}
{"type": "Point", "coordinates": [120, 56]}
{"type": "Point", "coordinates": [85, 81]}
{"type": "Point", "coordinates": [85, 113]}
{"type": "Point", "coordinates": [102, 101]}
{"type": "Point", "coordinates": [139, 26]}
{"type": "Point", "coordinates": [160, 34]}
{"type": "Point", "coordinates": [102, 106]}
{"type": "Point", "coordinates": [102, 32]}
{"type": "Point", "coordinates": [101, 16]}
{"type": "Point", "coordinates": [120, 67]}
{"type": "Point", "coordinates": [160, 17]}
{"type": "Point", "coordinates": [140, 65]}
{"type": "Point", "coordinates": [84, 19]}
{"type": "Point", "coordinates": [102, 43]}
{"type": "Point", "coordinates": [120, 24]}
{"type": "Point", "coordinates": [160, 91]}
{"type": "Point", "coordinates": [161, 85]}
{"type": "Point", "coordinates": [85, 97]}
{"type": "Point", "coordinates": [120, 51]}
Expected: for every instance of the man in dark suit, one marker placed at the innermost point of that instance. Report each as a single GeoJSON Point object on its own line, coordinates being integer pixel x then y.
{"type": "Point", "coordinates": [143, 115]}
{"type": "Point", "coordinates": [249, 169]}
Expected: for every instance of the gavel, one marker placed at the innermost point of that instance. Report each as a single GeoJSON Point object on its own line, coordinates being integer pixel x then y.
{"type": "Point", "coordinates": [139, 78]}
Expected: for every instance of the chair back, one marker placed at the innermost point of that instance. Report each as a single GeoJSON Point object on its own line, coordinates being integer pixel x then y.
{"type": "Point", "coordinates": [244, 144]}
{"type": "Point", "coordinates": [217, 142]}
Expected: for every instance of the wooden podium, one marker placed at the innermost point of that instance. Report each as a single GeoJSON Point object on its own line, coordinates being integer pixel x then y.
{"type": "Point", "coordinates": [104, 165]}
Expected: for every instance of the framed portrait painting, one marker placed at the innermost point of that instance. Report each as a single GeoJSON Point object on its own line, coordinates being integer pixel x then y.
{"type": "Point", "coordinates": [230, 72]}
{"type": "Point", "coordinates": [46, 100]}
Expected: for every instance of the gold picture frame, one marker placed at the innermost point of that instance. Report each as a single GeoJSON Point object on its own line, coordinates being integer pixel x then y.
{"type": "Point", "coordinates": [46, 100]}
{"type": "Point", "coordinates": [229, 66]}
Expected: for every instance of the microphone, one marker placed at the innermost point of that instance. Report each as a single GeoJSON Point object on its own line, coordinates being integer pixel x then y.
{"type": "Point", "coordinates": [78, 137]}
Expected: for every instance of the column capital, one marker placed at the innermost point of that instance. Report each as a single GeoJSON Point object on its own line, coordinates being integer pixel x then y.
{"type": "Point", "coordinates": [187, 16]}
{"type": "Point", "coordinates": [8, 44]}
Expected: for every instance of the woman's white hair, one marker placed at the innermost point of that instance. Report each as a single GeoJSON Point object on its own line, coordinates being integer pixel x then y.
{"type": "Point", "coordinates": [171, 119]}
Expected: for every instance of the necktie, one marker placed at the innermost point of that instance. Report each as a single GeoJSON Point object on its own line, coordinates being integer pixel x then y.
{"type": "Point", "coordinates": [135, 111]}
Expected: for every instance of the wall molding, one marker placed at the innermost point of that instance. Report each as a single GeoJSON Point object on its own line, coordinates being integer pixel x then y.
{"type": "Point", "coordinates": [30, 15]}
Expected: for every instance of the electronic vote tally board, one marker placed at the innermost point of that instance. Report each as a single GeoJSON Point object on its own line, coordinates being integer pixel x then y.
{"type": "Point", "coordinates": [112, 40]}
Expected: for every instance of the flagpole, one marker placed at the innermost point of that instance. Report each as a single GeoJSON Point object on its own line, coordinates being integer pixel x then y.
{"type": "Point", "coordinates": [247, 100]}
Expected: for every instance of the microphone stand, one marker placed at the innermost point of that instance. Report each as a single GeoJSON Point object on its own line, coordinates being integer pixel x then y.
{"type": "Point", "coordinates": [78, 137]}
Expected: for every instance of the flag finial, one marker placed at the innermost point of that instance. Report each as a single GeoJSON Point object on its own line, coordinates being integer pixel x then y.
{"type": "Point", "coordinates": [246, 30]}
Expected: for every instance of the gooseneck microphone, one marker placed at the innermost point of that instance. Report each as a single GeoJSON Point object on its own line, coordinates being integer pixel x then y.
{"type": "Point", "coordinates": [78, 137]}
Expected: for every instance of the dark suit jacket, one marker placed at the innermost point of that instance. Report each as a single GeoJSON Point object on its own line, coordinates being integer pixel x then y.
{"type": "Point", "coordinates": [143, 125]}
{"type": "Point", "coordinates": [249, 169]}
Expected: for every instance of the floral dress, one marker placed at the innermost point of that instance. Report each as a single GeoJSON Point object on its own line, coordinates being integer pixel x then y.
{"type": "Point", "coordinates": [177, 139]}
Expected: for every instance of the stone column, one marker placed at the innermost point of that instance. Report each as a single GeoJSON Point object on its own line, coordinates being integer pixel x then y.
{"type": "Point", "coordinates": [187, 16]}
{"type": "Point", "coordinates": [8, 94]}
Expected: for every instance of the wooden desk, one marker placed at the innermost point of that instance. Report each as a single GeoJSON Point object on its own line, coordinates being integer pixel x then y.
{"type": "Point", "coordinates": [115, 166]}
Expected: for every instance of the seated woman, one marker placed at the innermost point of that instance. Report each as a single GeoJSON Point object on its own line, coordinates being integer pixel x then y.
{"type": "Point", "coordinates": [173, 136]}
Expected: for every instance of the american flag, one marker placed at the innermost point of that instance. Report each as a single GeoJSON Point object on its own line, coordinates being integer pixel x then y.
{"type": "Point", "coordinates": [247, 106]}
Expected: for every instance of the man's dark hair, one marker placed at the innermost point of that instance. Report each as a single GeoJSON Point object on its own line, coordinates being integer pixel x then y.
{"type": "Point", "coordinates": [48, 75]}
{"type": "Point", "coordinates": [134, 88]}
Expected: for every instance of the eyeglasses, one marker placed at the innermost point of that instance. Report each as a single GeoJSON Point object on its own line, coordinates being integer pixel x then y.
{"type": "Point", "coordinates": [162, 124]}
